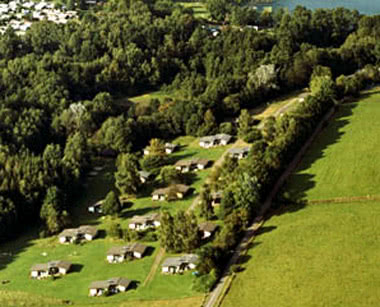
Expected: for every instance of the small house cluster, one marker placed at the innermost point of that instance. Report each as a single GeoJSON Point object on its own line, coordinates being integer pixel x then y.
{"type": "Point", "coordinates": [19, 15]}
{"type": "Point", "coordinates": [221, 139]}
{"type": "Point", "coordinates": [180, 264]}
{"type": "Point", "coordinates": [175, 191]}
{"type": "Point", "coordinates": [118, 254]}
{"type": "Point", "coordinates": [52, 268]}
{"type": "Point", "coordinates": [185, 166]}
{"type": "Point", "coordinates": [75, 235]}
{"type": "Point", "coordinates": [238, 153]}
{"type": "Point", "coordinates": [143, 222]}
{"type": "Point", "coordinates": [112, 286]}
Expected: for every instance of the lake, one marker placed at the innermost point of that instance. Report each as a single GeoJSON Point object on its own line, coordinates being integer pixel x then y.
{"type": "Point", "coordinates": [367, 7]}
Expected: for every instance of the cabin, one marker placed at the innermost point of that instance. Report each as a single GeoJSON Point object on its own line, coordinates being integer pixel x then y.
{"type": "Point", "coordinates": [118, 254]}
{"type": "Point", "coordinates": [139, 222]}
{"type": "Point", "coordinates": [207, 229]}
{"type": "Point", "coordinates": [185, 166]}
{"type": "Point", "coordinates": [215, 140]}
{"type": "Point", "coordinates": [175, 191]}
{"type": "Point", "coordinates": [180, 264]}
{"type": "Point", "coordinates": [170, 148]}
{"type": "Point", "coordinates": [238, 153]}
{"type": "Point", "coordinates": [216, 198]}
{"type": "Point", "coordinates": [112, 286]}
{"type": "Point", "coordinates": [52, 268]}
{"type": "Point", "coordinates": [145, 176]}
{"type": "Point", "coordinates": [96, 208]}
{"type": "Point", "coordinates": [74, 235]}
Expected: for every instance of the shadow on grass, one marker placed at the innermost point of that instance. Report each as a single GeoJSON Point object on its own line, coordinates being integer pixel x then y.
{"type": "Point", "coordinates": [149, 251]}
{"type": "Point", "coordinates": [295, 190]}
{"type": "Point", "coordinates": [76, 268]}
{"type": "Point", "coordinates": [10, 250]}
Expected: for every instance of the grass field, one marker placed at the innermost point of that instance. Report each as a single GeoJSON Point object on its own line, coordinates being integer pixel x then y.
{"type": "Point", "coordinates": [344, 160]}
{"type": "Point", "coordinates": [199, 9]}
{"type": "Point", "coordinates": [89, 259]}
{"type": "Point", "coordinates": [321, 255]}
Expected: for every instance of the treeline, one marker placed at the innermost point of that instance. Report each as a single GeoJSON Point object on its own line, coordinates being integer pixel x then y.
{"type": "Point", "coordinates": [56, 110]}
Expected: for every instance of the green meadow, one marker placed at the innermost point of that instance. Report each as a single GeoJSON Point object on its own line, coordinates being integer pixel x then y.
{"type": "Point", "coordinates": [319, 255]}
{"type": "Point", "coordinates": [344, 159]}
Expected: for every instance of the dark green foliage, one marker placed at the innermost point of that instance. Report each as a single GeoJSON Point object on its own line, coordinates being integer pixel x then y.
{"type": "Point", "coordinates": [114, 230]}
{"type": "Point", "coordinates": [127, 178]}
{"type": "Point", "coordinates": [205, 206]}
{"type": "Point", "coordinates": [111, 204]}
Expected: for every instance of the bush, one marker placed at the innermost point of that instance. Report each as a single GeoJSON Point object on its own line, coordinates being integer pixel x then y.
{"type": "Point", "coordinates": [204, 283]}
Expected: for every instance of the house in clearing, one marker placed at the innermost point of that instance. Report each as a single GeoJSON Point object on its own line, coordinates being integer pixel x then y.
{"type": "Point", "coordinates": [51, 268]}
{"type": "Point", "coordinates": [207, 229]}
{"type": "Point", "coordinates": [169, 148]}
{"type": "Point", "coordinates": [238, 153]}
{"type": "Point", "coordinates": [175, 191]}
{"type": "Point", "coordinates": [118, 254]}
{"type": "Point", "coordinates": [216, 198]}
{"type": "Point", "coordinates": [112, 285]}
{"type": "Point", "coordinates": [180, 264]}
{"type": "Point", "coordinates": [143, 222]}
{"type": "Point", "coordinates": [185, 166]}
{"type": "Point", "coordinates": [96, 208]}
{"type": "Point", "coordinates": [215, 140]}
{"type": "Point", "coordinates": [145, 176]}
{"type": "Point", "coordinates": [73, 235]}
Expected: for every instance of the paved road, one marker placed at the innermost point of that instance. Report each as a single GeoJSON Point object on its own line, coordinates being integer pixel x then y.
{"type": "Point", "coordinates": [250, 232]}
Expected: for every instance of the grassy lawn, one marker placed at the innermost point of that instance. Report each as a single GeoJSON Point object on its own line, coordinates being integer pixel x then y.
{"type": "Point", "coordinates": [145, 98]}
{"type": "Point", "coordinates": [89, 259]}
{"type": "Point", "coordinates": [343, 161]}
{"type": "Point", "coordinates": [322, 255]}
{"type": "Point", "coordinates": [199, 9]}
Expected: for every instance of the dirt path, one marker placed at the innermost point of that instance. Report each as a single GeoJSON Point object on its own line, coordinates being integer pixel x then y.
{"type": "Point", "coordinates": [217, 163]}
{"type": "Point", "coordinates": [154, 267]}
{"type": "Point", "coordinates": [259, 221]}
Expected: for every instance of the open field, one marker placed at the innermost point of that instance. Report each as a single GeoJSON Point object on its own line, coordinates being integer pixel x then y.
{"type": "Point", "coordinates": [343, 161]}
{"type": "Point", "coordinates": [89, 259]}
{"type": "Point", "coordinates": [199, 9]}
{"type": "Point", "coordinates": [319, 255]}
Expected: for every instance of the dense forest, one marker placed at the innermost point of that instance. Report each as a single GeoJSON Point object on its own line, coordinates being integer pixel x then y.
{"type": "Point", "coordinates": [60, 87]}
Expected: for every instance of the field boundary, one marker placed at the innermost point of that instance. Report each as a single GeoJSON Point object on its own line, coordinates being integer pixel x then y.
{"type": "Point", "coordinates": [345, 199]}
{"type": "Point", "coordinates": [215, 295]}
{"type": "Point", "coordinates": [154, 267]}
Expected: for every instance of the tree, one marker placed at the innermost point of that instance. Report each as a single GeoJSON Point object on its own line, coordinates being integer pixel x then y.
{"type": "Point", "coordinates": [114, 230]}
{"type": "Point", "coordinates": [52, 212]}
{"type": "Point", "coordinates": [111, 204]}
{"type": "Point", "coordinates": [169, 175]}
{"type": "Point", "coordinates": [127, 178]}
{"type": "Point", "coordinates": [245, 124]}
{"type": "Point", "coordinates": [206, 209]}
{"type": "Point", "coordinates": [76, 154]}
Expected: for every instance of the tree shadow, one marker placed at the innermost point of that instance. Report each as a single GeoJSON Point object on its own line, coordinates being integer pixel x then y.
{"type": "Point", "coordinates": [264, 229]}
{"type": "Point", "coordinates": [142, 211]}
{"type": "Point", "coordinates": [299, 183]}
{"type": "Point", "coordinates": [101, 234]}
{"type": "Point", "coordinates": [10, 250]}
{"type": "Point", "coordinates": [149, 251]}
{"type": "Point", "coordinates": [76, 268]}
{"type": "Point", "coordinates": [134, 285]}
{"type": "Point", "coordinates": [175, 158]}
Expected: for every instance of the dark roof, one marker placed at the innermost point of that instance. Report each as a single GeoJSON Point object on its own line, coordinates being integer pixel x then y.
{"type": "Point", "coordinates": [60, 264]}
{"type": "Point", "coordinates": [177, 261]}
{"type": "Point", "coordinates": [87, 229]}
{"type": "Point", "coordinates": [207, 226]}
{"type": "Point", "coordinates": [114, 281]}
{"type": "Point", "coordinates": [182, 188]}
{"type": "Point", "coordinates": [202, 161]}
{"type": "Point", "coordinates": [82, 230]}
{"type": "Point", "coordinates": [239, 150]}
{"type": "Point", "coordinates": [207, 139]}
{"type": "Point", "coordinates": [184, 163]}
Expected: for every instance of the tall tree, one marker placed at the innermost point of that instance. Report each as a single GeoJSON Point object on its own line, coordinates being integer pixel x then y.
{"type": "Point", "coordinates": [127, 178]}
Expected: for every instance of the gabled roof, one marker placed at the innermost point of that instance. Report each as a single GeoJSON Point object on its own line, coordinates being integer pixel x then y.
{"type": "Point", "coordinates": [82, 230]}
{"type": "Point", "coordinates": [134, 247]}
{"type": "Point", "coordinates": [237, 151]}
{"type": "Point", "coordinates": [207, 139]}
{"type": "Point", "coordinates": [60, 264]}
{"type": "Point", "coordinates": [207, 226]}
{"type": "Point", "coordinates": [223, 136]}
{"type": "Point", "coordinates": [144, 174]}
{"type": "Point", "coordinates": [170, 146]}
{"type": "Point", "coordinates": [114, 281]}
{"type": "Point", "coordinates": [39, 267]}
{"type": "Point", "coordinates": [184, 163]}
{"type": "Point", "coordinates": [142, 219]}
{"type": "Point", "coordinates": [177, 261]}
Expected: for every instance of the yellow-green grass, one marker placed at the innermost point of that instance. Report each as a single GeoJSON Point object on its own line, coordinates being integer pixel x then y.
{"type": "Point", "coordinates": [344, 160]}
{"type": "Point", "coordinates": [321, 255]}
{"type": "Point", "coordinates": [145, 98]}
{"type": "Point", "coordinates": [199, 9]}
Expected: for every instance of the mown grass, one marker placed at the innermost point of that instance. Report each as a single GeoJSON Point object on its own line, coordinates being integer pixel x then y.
{"type": "Point", "coordinates": [89, 258]}
{"type": "Point", "coordinates": [322, 255]}
{"type": "Point", "coordinates": [199, 9]}
{"type": "Point", "coordinates": [343, 161]}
